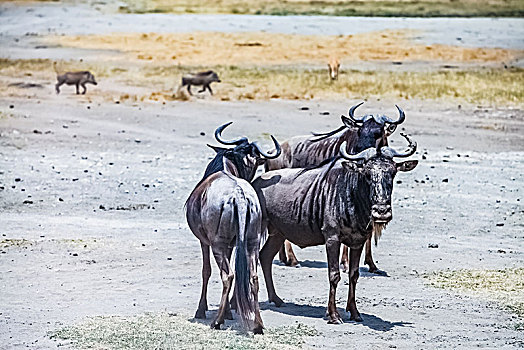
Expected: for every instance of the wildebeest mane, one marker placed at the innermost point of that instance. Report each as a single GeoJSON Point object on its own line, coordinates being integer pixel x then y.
{"type": "Point", "coordinates": [325, 135]}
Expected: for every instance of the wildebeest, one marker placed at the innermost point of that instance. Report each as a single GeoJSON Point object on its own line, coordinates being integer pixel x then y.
{"type": "Point", "coordinates": [342, 201]}
{"type": "Point", "coordinates": [333, 67]}
{"type": "Point", "coordinates": [80, 78]}
{"type": "Point", "coordinates": [359, 133]}
{"type": "Point", "coordinates": [223, 208]}
{"type": "Point", "coordinates": [203, 79]}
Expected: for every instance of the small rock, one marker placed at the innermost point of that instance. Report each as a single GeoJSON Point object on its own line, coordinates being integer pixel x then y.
{"type": "Point", "coordinates": [169, 258]}
{"type": "Point", "coordinates": [60, 199]}
{"type": "Point", "coordinates": [27, 201]}
{"type": "Point", "coordinates": [11, 106]}
{"type": "Point", "coordinates": [138, 140]}
{"type": "Point", "coordinates": [304, 108]}
{"type": "Point", "coordinates": [202, 133]}
{"type": "Point", "coordinates": [36, 131]}
{"type": "Point", "coordinates": [18, 179]}
{"type": "Point", "coordinates": [500, 224]}
{"type": "Point", "coordinates": [445, 180]}
{"type": "Point", "coordinates": [432, 245]}
{"type": "Point", "coordinates": [501, 251]}
{"type": "Point", "coordinates": [324, 113]}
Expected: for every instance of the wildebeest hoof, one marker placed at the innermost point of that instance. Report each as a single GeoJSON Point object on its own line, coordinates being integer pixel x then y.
{"type": "Point", "coordinates": [258, 330]}
{"type": "Point", "coordinates": [356, 318]}
{"type": "Point", "coordinates": [335, 319]}
{"type": "Point", "coordinates": [278, 302]}
{"type": "Point", "coordinates": [380, 272]}
{"type": "Point", "coordinates": [200, 314]}
{"type": "Point", "coordinates": [292, 262]}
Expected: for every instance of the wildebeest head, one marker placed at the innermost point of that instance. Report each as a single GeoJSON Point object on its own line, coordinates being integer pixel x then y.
{"type": "Point", "coordinates": [244, 158]}
{"type": "Point", "coordinates": [379, 169]}
{"type": "Point", "coordinates": [373, 130]}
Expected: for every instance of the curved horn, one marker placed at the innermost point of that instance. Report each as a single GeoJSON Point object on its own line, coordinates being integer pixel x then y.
{"type": "Point", "coordinates": [365, 154]}
{"type": "Point", "coordinates": [352, 111]}
{"type": "Point", "coordinates": [218, 136]}
{"type": "Point", "coordinates": [390, 152]}
{"type": "Point", "coordinates": [267, 155]}
{"type": "Point", "coordinates": [402, 117]}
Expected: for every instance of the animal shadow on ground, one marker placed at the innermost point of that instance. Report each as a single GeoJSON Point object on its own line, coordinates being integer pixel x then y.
{"type": "Point", "coordinates": [315, 264]}
{"type": "Point", "coordinates": [370, 321]}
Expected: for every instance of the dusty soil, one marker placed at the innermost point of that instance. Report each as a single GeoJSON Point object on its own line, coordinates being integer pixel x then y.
{"type": "Point", "coordinates": [102, 230]}
{"type": "Point", "coordinates": [92, 194]}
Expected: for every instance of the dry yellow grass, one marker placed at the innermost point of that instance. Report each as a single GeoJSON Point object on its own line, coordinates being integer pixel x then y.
{"type": "Point", "coordinates": [205, 48]}
{"type": "Point", "coordinates": [420, 8]}
{"type": "Point", "coordinates": [135, 82]}
{"type": "Point", "coordinates": [505, 286]}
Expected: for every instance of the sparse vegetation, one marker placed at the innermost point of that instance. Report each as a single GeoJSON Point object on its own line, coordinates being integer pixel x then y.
{"type": "Point", "coordinates": [376, 8]}
{"type": "Point", "coordinates": [159, 82]}
{"type": "Point", "coordinates": [504, 286]}
{"type": "Point", "coordinates": [167, 331]}
{"type": "Point", "coordinates": [262, 49]}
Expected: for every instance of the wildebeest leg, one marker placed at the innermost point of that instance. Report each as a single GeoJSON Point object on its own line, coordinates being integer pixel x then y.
{"type": "Point", "coordinates": [206, 273]}
{"type": "Point", "coordinates": [282, 254]}
{"type": "Point", "coordinates": [209, 88]}
{"type": "Point", "coordinates": [85, 89]}
{"type": "Point", "coordinates": [203, 89]}
{"type": "Point", "coordinates": [189, 89]}
{"type": "Point", "coordinates": [333, 251]}
{"type": "Point", "coordinates": [77, 90]}
{"type": "Point", "coordinates": [253, 248]}
{"type": "Point", "coordinates": [354, 260]}
{"type": "Point", "coordinates": [57, 86]}
{"type": "Point", "coordinates": [344, 261]}
{"type": "Point", "coordinates": [291, 258]}
{"type": "Point", "coordinates": [268, 252]}
{"type": "Point", "coordinates": [228, 315]}
{"type": "Point", "coordinates": [222, 256]}
{"type": "Point", "coordinates": [368, 260]}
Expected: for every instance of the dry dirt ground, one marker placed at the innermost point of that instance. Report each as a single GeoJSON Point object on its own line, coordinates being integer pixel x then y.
{"type": "Point", "coordinates": [92, 222]}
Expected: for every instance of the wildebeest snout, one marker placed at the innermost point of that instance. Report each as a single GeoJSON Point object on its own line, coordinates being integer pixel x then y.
{"type": "Point", "coordinates": [381, 213]}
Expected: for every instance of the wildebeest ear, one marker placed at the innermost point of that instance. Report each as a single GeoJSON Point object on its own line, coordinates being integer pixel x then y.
{"type": "Point", "coordinates": [348, 122]}
{"type": "Point", "coordinates": [407, 165]}
{"type": "Point", "coordinates": [216, 148]}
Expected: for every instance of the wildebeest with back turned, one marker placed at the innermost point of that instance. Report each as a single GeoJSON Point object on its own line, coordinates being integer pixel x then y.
{"type": "Point", "coordinates": [223, 208]}
{"type": "Point", "coordinates": [80, 78]}
{"type": "Point", "coordinates": [203, 79]}
{"type": "Point", "coordinates": [359, 133]}
{"type": "Point", "coordinates": [342, 201]}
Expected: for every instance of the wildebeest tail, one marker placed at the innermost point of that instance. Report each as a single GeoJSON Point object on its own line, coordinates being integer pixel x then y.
{"type": "Point", "coordinates": [244, 293]}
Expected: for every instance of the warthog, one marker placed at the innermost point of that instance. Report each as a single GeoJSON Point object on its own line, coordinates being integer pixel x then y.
{"type": "Point", "coordinates": [80, 78]}
{"type": "Point", "coordinates": [203, 79]}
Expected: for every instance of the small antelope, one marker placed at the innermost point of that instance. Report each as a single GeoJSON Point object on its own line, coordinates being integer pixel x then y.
{"type": "Point", "coordinates": [333, 66]}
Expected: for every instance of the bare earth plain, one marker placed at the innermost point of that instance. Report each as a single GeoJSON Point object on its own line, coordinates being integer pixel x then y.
{"type": "Point", "coordinates": [92, 221]}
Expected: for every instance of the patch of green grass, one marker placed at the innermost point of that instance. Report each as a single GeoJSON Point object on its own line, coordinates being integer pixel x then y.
{"type": "Point", "coordinates": [167, 331]}
{"type": "Point", "coordinates": [373, 8]}
{"type": "Point", "coordinates": [504, 286]}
